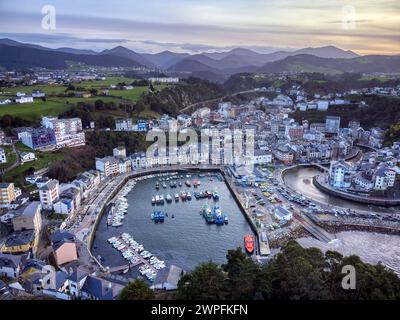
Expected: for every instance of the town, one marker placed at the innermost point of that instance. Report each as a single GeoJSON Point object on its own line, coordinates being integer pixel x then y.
{"type": "Point", "coordinates": [48, 222]}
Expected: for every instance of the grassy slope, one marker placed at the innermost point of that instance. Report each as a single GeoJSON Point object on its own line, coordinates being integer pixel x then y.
{"type": "Point", "coordinates": [56, 105]}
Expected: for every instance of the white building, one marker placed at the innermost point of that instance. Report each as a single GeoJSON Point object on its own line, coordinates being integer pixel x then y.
{"type": "Point", "coordinates": [27, 156]}
{"type": "Point", "coordinates": [119, 152]}
{"type": "Point", "coordinates": [24, 99]}
{"type": "Point", "coordinates": [3, 157]}
{"type": "Point", "coordinates": [123, 125]}
{"type": "Point", "coordinates": [68, 132]}
{"type": "Point", "coordinates": [339, 174]}
{"type": "Point", "coordinates": [164, 80]}
{"type": "Point", "coordinates": [49, 194]}
{"type": "Point", "coordinates": [384, 178]}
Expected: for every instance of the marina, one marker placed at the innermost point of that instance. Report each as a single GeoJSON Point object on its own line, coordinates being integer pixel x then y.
{"type": "Point", "coordinates": [184, 238]}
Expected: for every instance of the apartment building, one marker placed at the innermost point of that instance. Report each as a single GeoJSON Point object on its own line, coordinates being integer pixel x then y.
{"type": "Point", "coordinates": [49, 194]}
{"type": "Point", "coordinates": [68, 132]}
{"type": "Point", "coordinates": [7, 194]}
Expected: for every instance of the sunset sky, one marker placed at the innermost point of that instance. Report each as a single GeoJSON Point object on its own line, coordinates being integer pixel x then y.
{"type": "Point", "coordinates": [192, 25]}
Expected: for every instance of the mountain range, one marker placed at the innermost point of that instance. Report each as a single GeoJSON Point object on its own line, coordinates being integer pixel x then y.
{"type": "Point", "coordinates": [213, 66]}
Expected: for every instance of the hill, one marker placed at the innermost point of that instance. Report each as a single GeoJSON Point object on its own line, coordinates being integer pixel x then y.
{"type": "Point", "coordinates": [16, 57]}
{"type": "Point", "coordinates": [310, 63]}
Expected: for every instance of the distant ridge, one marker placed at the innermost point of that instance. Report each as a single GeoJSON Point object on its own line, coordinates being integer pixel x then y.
{"type": "Point", "coordinates": [212, 66]}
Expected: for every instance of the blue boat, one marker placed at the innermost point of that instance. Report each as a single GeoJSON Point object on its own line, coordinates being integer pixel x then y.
{"type": "Point", "coordinates": [215, 195]}
{"type": "Point", "coordinates": [219, 217]}
{"type": "Point", "coordinates": [158, 216]}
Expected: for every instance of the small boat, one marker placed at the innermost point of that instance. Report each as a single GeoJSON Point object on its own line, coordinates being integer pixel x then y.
{"type": "Point", "coordinates": [176, 197]}
{"type": "Point", "coordinates": [215, 195]}
{"type": "Point", "coordinates": [158, 216]}
{"type": "Point", "coordinates": [249, 243]}
{"type": "Point", "coordinates": [187, 182]}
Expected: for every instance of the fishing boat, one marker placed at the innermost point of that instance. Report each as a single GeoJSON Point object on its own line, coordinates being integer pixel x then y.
{"type": "Point", "coordinates": [207, 213]}
{"type": "Point", "coordinates": [218, 215]}
{"type": "Point", "coordinates": [188, 196]}
{"type": "Point", "coordinates": [215, 195]}
{"type": "Point", "coordinates": [168, 198]}
{"type": "Point", "coordinates": [187, 182]}
{"type": "Point", "coordinates": [158, 216]}
{"type": "Point", "coordinates": [176, 197]}
{"type": "Point", "coordinates": [249, 243]}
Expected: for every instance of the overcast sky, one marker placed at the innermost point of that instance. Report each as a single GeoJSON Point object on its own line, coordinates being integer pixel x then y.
{"type": "Point", "coordinates": [365, 26]}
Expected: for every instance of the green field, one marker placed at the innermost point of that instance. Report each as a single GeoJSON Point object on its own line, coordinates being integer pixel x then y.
{"type": "Point", "coordinates": [43, 160]}
{"type": "Point", "coordinates": [35, 110]}
{"type": "Point", "coordinates": [54, 106]}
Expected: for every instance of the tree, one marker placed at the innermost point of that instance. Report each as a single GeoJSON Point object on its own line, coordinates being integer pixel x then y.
{"type": "Point", "coordinates": [205, 282]}
{"type": "Point", "coordinates": [137, 290]}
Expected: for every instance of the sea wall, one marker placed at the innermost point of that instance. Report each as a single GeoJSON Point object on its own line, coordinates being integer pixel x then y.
{"type": "Point", "coordinates": [353, 197]}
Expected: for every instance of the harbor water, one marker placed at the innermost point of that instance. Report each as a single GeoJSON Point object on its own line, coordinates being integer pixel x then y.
{"type": "Point", "coordinates": [184, 240]}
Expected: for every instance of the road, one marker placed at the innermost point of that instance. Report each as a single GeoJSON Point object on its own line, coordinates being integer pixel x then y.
{"type": "Point", "coordinates": [193, 105]}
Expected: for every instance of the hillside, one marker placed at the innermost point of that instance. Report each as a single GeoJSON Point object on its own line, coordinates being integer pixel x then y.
{"type": "Point", "coordinates": [310, 63]}
{"type": "Point", "coordinates": [14, 57]}
{"type": "Point", "coordinates": [174, 98]}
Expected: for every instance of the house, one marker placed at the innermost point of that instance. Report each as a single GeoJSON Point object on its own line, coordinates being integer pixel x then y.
{"type": "Point", "coordinates": [20, 242]}
{"type": "Point", "coordinates": [384, 178]}
{"type": "Point", "coordinates": [30, 219]}
{"type": "Point", "coordinates": [123, 124]}
{"type": "Point", "coordinates": [49, 194]}
{"type": "Point", "coordinates": [3, 157]}
{"type": "Point", "coordinates": [38, 94]}
{"type": "Point", "coordinates": [119, 152]}
{"type": "Point", "coordinates": [7, 194]}
{"type": "Point", "coordinates": [24, 99]}
{"type": "Point", "coordinates": [95, 288]}
{"type": "Point", "coordinates": [69, 201]}
{"type": "Point", "coordinates": [282, 215]}
{"type": "Point", "coordinates": [27, 157]}
{"type": "Point", "coordinates": [339, 174]}
{"type": "Point", "coordinates": [11, 265]}
{"type": "Point", "coordinates": [64, 248]}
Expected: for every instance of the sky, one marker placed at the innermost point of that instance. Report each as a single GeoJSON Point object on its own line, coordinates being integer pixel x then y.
{"type": "Point", "coordinates": [364, 26]}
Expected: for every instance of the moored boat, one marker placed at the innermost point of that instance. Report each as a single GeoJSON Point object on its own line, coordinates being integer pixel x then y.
{"type": "Point", "coordinates": [249, 243]}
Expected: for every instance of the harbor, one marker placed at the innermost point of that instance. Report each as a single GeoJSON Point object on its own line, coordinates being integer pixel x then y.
{"type": "Point", "coordinates": [175, 230]}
